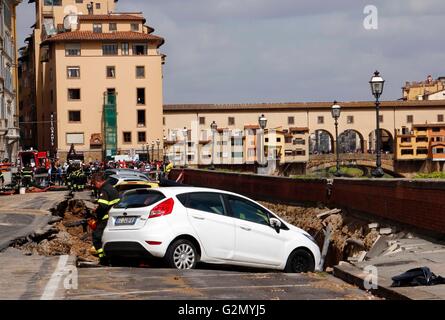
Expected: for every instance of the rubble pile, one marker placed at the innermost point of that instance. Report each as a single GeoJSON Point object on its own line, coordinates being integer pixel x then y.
{"type": "Point", "coordinates": [66, 235]}
{"type": "Point", "coordinates": [351, 238]}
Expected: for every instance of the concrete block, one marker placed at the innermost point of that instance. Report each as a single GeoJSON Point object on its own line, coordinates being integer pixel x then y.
{"type": "Point", "coordinates": [385, 231]}
{"type": "Point", "coordinates": [374, 225]}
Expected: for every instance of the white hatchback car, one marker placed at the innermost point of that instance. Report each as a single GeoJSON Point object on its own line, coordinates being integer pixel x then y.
{"type": "Point", "coordinates": [185, 225]}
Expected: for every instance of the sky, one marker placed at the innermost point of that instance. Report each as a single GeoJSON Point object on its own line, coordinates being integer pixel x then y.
{"type": "Point", "coordinates": [261, 51]}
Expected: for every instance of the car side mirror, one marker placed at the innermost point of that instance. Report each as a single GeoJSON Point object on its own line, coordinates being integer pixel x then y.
{"type": "Point", "coordinates": [276, 224]}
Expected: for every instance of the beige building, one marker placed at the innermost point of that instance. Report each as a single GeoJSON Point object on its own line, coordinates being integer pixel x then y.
{"type": "Point", "coordinates": [99, 79]}
{"type": "Point", "coordinates": [9, 124]}
{"type": "Point", "coordinates": [308, 127]}
{"type": "Point", "coordinates": [425, 90]}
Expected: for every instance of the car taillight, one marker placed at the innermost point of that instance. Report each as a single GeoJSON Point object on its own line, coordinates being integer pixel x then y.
{"type": "Point", "coordinates": [162, 209]}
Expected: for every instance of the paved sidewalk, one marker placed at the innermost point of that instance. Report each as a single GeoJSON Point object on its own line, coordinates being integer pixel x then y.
{"type": "Point", "coordinates": [401, 255]}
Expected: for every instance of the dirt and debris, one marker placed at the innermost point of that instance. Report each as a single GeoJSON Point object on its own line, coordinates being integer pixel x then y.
{"type": "Point", "coordinates": [350, 237]}
{"type": "Point", "coordinates": [61, 239]}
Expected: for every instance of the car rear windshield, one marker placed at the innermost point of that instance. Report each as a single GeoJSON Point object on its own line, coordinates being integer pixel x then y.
{"type": "Point", "coordinates": [139, 198]}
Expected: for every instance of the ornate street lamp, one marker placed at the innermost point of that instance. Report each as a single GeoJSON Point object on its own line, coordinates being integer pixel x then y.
{"type": "Point", "coordinates": [377, 83]}
{"type": "Point", "coordinates": [185, 146]}
{"type": "Point", "coordinates": [262, 121]}
{"type": "Point", "coordinates": [336, 111]}
{"type": "Point", "coordinates": [158, 142]}
{"type": "Point", "coordinates": [214, 127]}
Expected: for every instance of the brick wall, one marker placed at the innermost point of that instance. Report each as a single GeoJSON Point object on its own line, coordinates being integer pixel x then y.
{"type": "Point", "coordinates": [420, 204]}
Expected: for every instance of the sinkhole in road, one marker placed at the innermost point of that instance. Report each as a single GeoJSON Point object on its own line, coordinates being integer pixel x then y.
{"type": "Point", "coordinates": [66, 234]}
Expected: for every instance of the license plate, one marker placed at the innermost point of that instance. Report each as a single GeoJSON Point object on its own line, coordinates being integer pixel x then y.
{"type": "Point", "coordinates": [125, 221]}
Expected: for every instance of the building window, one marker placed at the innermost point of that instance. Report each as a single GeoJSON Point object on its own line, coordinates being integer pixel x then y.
{"type": "Point", "coordinates": [135, 27]}
{"type": "Point", "coordinates": [142, 137]}
{"type": "Point", "coordinates": [125, 49]}
{"type": "Point", "coordinates": [290, 120]}
{"type": "Point", "coordinates": [350, 119]}
{"type": "Point", "coordinates": [380, 118]}
{"type": "Point", "coordinates": [73, 94]}
{"type": "Point", "coordinates": [202, 120]}
{"type": "Point", "coordinates": [109, 49]}
{"type": "Point", "coordinates": [320, 120]}
{"type": "Point", "coordinates": [406, 152]}
{"type": "Point", "coordinates": [140, 72]}
{"type": "Point", "coordinates": [111, 72]}
{"type": "Point", "coordinates": [98, 6]}
{"type": "Point", "coordinates": [113, 26]}
{"type": "Point", "coordinates": [140, 96]}
{"type": "Point", "coordinates": [74, 116]}
{"type": "Point", "coordinates": [53, 2]}
{"type": "Point", "coordinates": [440, 118]}
{"type": "Point", "coordinates": [231, 121]}
{"type": "Point", "coordinates": [141, 118]}
{"type": "Point", "coordinates": [163, 121]}
{"type": "Point", "coordinates": [72, 49]}
{"type": "Point", "coordinates": [127, 137]}
{"type": "Point", "coordinates": [140, 49]}
{"type": "Point", "coordinates": [79, 1]}
{"type": "Point", "coordinates": [410, 119]}
{"type": "Point", "coordinates": [97, 27]}
{"type": "Point", "coordinates": [73, 72]}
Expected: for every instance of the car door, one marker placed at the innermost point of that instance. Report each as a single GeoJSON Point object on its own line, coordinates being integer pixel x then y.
{"type": "Point", "coordinates": [255, 240]}
{"type": "Point", "coordinates": [215, 229]}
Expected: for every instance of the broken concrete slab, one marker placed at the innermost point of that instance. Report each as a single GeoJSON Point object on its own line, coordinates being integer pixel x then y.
{"type": "Point", "coordinates": [328, 213]}
{"type": "Point", "coordinates": [374, 225]}
{"type": "Point", "coordinates": [379, 246]}
{"type": "Point", "coordinates": [385, 231]}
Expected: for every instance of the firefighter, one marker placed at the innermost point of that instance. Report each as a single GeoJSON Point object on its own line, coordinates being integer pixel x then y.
{"type": "Point", "coordinates": [27, 176]}
{"type": "Point", "coordinates": [168, 168]}
{"type": "Point", "coordinates": [108, 196]}
{"type": "Point", "coordinates": [2, 179]}
{"type": "Point", "coordinates": [70, 176]}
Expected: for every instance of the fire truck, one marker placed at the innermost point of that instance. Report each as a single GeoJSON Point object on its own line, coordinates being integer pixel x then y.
{"type": "Point", "coordinates": [38, 160]}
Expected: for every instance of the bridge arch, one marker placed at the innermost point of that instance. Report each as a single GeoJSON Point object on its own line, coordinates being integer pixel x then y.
{"type": "Point", "coordinates": [387, 141]}
{"type": "Point", "coordinates": [321, 142]}
{"type": "Point", "coordinates": [351, 141]}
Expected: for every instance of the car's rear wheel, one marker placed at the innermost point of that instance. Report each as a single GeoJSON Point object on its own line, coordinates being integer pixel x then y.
{"type": "Point", "coordinates": [182, 255]}
{"type": "Point", "coordinates": [300, 261]}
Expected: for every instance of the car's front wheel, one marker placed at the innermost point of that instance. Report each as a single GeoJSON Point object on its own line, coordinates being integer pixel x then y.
{"type": "Point", "coordinates": [182, 255]}
{"type": "Point", "coordinates": [300, 261]}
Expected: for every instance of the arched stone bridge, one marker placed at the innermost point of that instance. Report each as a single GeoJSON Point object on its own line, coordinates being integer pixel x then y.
{"type": "Point", "coordinates": [321, 162]}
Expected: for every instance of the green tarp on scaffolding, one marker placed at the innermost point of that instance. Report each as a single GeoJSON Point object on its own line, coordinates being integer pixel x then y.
{"type": "Point", "coordinates": [110, 126]}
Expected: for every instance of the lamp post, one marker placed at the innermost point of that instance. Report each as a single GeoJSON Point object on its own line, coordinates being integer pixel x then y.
{"type": "Point", "coordinates": [148, 154]}
{"type": "Point", "coordinates": [185, 146]}
{"type": "Point", "coordinates": [152, 150]}
{"type": "Point", "coordinates": [377, 84]}
{"type": "Point", "coordinates": [158, 142]}
{"type": "Point", "coordinates": [262, 121]}
{"type": "Point", "coordinates": [336, 110]}
{"type": "Point", "coordinates": [214, 127]}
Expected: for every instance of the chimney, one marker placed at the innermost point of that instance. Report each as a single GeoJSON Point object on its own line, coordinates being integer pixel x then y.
{"type": "Point", "coordinates": [90, 8]}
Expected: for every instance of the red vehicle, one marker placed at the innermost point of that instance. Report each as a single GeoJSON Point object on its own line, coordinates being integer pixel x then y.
{"type": "Point", "coordinates": [34, 159]}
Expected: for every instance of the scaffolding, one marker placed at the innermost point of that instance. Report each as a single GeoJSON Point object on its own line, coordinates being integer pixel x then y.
{"type": "Point", "coordinates": [110, 126]}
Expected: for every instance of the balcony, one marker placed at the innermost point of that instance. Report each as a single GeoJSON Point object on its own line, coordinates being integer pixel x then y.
{"type": "Point", "coordinates": [13, 134]}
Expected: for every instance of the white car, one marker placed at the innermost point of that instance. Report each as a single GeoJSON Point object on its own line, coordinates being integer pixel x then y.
{"type": "Point", "coordinates": [185, 225]}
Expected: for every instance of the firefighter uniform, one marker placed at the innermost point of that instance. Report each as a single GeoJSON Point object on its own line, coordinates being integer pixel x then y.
{"type": "Point", "coordinates": [108, 197]}
{"type": "Point", "coordinates": [2, 179]}
{"type": "Point", "coordinates": [167, 170]}
{"type": "Point", "coordinates": [27, 176]}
